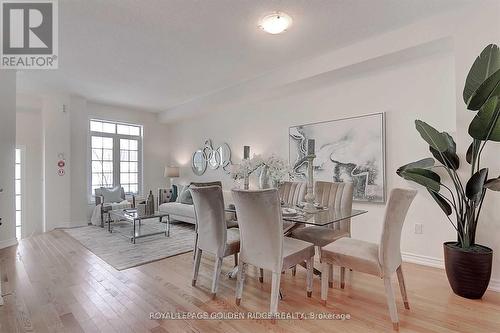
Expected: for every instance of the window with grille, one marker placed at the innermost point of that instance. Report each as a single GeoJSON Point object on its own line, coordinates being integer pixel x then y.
{"type": "Point", "coordinates": [115, 156]}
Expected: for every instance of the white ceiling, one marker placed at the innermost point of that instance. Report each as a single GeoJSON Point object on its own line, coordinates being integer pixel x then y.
{"type": "Point", "coordinates": [157, 54]}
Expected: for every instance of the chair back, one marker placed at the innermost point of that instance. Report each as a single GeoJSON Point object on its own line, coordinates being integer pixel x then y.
{"type": "Point", "coordinates": [261, 228]}
{"type": "Point", "coordinates": [211, 224]}
{"type": "Point", "coordinates": [202, 184]}
{"type": "Point", "coordinates": [390, 242]}
{"type": "Point", "coordinates": [337, 196]}
{"type": "Point", "coordinates": [292, 193]}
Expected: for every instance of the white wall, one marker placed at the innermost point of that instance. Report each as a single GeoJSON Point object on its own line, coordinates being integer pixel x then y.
{"type": "Point", "coordinates": [29, 135]}
{"type": "Point", "coordinates": [414, 72]}
{"type": "Point", "coordinates": [7, 160]}
{"type": "Point", "coordinates": [56, 139]}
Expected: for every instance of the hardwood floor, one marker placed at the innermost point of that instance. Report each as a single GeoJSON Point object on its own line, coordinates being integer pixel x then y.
{"type": "Point", "coordinates": [57, 285]}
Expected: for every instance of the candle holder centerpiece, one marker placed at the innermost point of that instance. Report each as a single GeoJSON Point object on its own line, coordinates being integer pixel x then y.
{"type": "Point", "coordinates": [310, 197]}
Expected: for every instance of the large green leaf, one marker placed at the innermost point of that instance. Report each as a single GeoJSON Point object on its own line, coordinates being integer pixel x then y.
{"type": "Point", "coordinates": [448, 157]}
{"type": "Point", "coordinates": [424, 177]}
{"type": "Point", "coordinates": [486, 123]}
{"type": "Point", "coordinates": [489, 88]}
{"type": "Point", "coordinates": [441, 201]}
{"type": "Point", "coordinates": [472, 151]}
{"type": "Point", "coordinates": [493, 184]}
{"type": "Point", "coordinates": [480, 74]}
{"type": "Point", "coordinates": [425, 163]}
{"type": "Point", "coordinates": [432, 136]}
{"type": "Point", "coordinates": [475, 185]}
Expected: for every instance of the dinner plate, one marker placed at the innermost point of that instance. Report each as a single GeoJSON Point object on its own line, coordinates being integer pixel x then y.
{"type": "Point", "coordinates": [288, 212]}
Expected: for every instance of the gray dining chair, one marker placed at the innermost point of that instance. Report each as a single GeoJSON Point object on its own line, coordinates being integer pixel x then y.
{"type": "Point", "coordinates": [337, 197]}
{"type": "Point", "coordinates": [382, 260]}
{"type": "Point", "coordinates": [263, 244]}
{"type": "Point", "coordinates": [292, 193]}
{"type": "Point", "coordinates": [213, 235]}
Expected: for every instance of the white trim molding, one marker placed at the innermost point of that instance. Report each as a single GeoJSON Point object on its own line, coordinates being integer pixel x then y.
{"type": "Point", "coordinates": [7, 243]}
{"type": "Point", "coordinates": [494, 285]}
{"type": "Point", "coordinates": [439, 263]}
{"type": "Point", "coordinates": [422, 260]}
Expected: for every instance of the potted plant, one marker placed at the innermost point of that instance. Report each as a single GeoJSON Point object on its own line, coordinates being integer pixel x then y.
{"type": "Point", "coordinates": [468, 265]}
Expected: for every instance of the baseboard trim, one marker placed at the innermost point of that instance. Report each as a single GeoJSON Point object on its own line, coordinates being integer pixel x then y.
{"type": "Point", "coordinates": [7, 243]}
{"type": "Point", "coordinates": [494, 285]}
{"type": "Point", "coordinates": [422, 260]}
{"type": "Point", "coordinates": [439, 263]}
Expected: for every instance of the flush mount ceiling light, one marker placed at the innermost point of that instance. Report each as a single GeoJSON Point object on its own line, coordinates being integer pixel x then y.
{"type": "Point", "coordinates": [275, 23]}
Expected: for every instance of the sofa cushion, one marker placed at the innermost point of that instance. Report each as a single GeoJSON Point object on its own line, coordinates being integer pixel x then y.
{"type": "Point", "coordinates": [177, 208]}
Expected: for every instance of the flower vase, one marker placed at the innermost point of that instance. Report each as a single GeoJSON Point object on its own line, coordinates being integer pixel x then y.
{"type": "Point", "coordinates": [264, 177]}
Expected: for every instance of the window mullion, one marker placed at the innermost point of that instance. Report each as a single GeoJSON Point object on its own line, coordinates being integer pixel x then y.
{"type": "Point", "coordinates": [116, 160]}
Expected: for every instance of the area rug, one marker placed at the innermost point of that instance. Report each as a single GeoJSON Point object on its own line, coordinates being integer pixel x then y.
{"type": "Point", "coordinates": [117, 250]}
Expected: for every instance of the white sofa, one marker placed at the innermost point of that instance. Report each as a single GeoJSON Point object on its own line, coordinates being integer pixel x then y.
{"type": "Point", "coordinates": [184, 212]}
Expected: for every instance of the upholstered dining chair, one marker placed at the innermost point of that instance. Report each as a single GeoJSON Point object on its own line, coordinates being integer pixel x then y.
{"type": "Point", "coordinates": [263, 244]}
{"type": "Point", "coordinates": [213, 235]}
{"type": "Point", "coordinates": [338, 197]}
{"type": "Point", "coordinates": [292, 193]}
{"type": "Point", "coordinates": [229, 217]}
{"type": "Point", "coordinates": [383, 259]}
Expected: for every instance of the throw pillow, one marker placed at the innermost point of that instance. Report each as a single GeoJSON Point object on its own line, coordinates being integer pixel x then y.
{"type": "Point", "coordinates": [186, 197]}
{"type": "Point", "coordinates": [180, 189]}
{"type": "Point", "coordinates": [112, 194]}
{"type": "Point", "coordinates": [173, 196]}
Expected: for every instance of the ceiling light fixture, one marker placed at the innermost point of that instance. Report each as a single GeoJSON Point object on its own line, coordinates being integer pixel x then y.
{"type": "Point", "coordinates": [275, 23]}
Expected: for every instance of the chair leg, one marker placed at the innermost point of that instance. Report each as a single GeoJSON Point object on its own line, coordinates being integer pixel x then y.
{"type": "Point", "coordinates": [294, 270]}
{"type": "Point", "coordinates": [275, 292]}
{"type": "Point", "coordinates": [330, 276]}
{"type": "Point", "coordinates": [391, 303]}
{"type": "Point", "coordinates": [195, 244]}
{"type": "Point", "coordinates": [240, 281]}
{"type": "Point", "coordinates": [309, 276]}
{"type": "Point", "coordinates": [261, 277]}
{"type": "Point", "coordinates": [196, 267]}
{"type": "Point", "coordinates": [235, 259]}
{"type": "Point", "coordinates": [342, 277]}
{"type": "Point", "coordinates": [402, 287]}
{"type": "Point", "coordinates": [215, 278]}
{"type": "Point", "coordinates": [325, 268]}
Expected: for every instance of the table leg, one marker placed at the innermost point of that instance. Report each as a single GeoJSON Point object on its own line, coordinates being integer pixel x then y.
{"type": "Point", "coordinates": [109, 222]}
{"type": "Point", "coordinates": [133, 236]}
{"type": "Point", "coordinates": [315, 270]}
{"type": "Point", "coordinates": [168, 226]}
{"type": "Point", "coordinates": [233, 273]}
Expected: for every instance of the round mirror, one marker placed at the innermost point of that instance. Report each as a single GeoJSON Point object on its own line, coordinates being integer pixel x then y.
{"type": "Point", "coordinates": [224, 153]}
{"type": "Point", "coordinates": [214, 159]}
{"type": "Point", "coordinates": [199, 162]}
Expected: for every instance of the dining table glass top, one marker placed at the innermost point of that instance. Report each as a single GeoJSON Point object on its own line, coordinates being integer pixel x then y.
{"type": "Point", "coordinates": [321, 217]}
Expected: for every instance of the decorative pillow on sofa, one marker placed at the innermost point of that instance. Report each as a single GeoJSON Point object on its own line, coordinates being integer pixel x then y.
{"type": "Point", "coordinates": [173, 196]}
{"type": "Point", "coordinates": [185, 196]}
{"type": "Point", "coordinates": [180, 189]}
{"type": "Point", "coordinates": [112, 194]}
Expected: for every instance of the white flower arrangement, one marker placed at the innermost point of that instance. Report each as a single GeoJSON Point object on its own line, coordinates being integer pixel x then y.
{"type": "Point", "coordinates": [246, 167]}
{"type": "Point", "coordinates": [277, 168]}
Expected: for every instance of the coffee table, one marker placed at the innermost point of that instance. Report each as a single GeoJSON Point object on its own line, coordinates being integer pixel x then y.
{"type": "Point", "coordinates": [131, 215]}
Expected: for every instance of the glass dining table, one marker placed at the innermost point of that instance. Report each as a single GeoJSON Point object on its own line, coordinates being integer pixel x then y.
{"type": "Point", "coordinates": [295, 217]}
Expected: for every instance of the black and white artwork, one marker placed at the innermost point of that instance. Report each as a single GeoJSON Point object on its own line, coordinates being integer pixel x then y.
{"type": "Point", "coordinates": [347, 150]}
